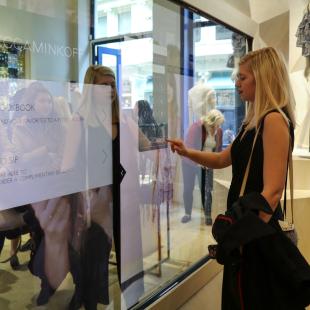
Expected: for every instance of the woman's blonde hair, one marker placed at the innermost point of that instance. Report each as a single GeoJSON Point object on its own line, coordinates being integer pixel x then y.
{"type": "Point", "coordinates": [93, 73]}
{"type": "Point", "coordinates": [213, 118]}
{"type": "Point", "coordinates": [273, 90]}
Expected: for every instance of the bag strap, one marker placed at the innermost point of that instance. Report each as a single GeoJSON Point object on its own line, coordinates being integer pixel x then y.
{"type": "Point", "coordinates": [290, 172]}
{"type": "Point", "coordinates": [291, 183]}
{"type": "Point", "coordinates": [247, 170]}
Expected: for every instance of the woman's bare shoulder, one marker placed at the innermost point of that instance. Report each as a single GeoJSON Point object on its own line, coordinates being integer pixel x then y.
{"type": "Point", "coordinates": [275, 120]}
{"type": "Point", "coordinates": [275, 127]}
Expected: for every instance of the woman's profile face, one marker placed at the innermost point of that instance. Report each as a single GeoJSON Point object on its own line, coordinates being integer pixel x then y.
{"type": "Point", "coordinates": [43, 104]}
{"type": "Point", "coordinates": [245, 83]}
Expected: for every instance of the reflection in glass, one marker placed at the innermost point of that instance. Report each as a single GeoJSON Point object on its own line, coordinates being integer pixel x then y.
{"type": "Point", "coordinates": [118, 17]}
{"type": "Point", "coordinates": [57, 173]}
{"type": "Point", "coordinates": [160, 98]}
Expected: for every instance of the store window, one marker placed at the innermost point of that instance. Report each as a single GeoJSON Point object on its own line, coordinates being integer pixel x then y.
{"type": "Point", "coordinates": [216, 56]}
{"type": "Point", "coordinates": [123, 17]}
{"type": "Point", "coordinates": [124, 22]}
{"type": "Point", "coordinates": [222, 33]}
{"type": "Point", "coordinates": [95, 199]}
{"type": "Point", "coordinates": [101, 28]}
{"type": "Point", "coordinates": [171, 77]}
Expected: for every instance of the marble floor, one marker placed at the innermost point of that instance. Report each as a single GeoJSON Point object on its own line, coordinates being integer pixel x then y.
{"type": "Point", "coordinates": [181, 245]}
{"type": "Point", "coordinates": [188, 243]}
{"type": "Point", "coordinates": [209, 297]}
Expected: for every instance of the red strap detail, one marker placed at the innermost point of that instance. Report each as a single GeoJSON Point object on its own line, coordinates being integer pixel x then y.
{"type": "Point", "coordinates": [225, 218]}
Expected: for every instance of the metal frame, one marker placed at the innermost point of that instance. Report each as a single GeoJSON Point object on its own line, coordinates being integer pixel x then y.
{"type": "Point", "coordinates": [116, 53]}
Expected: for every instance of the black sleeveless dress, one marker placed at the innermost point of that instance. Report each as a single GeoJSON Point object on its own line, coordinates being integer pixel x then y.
{"type": "Point", "coordinates": [240, 153]}
{"type": "Point", "coordinates": [238, 279]}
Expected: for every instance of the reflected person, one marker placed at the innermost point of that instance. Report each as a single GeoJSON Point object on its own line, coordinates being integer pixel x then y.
{"type": "Point", "coordinates": [99, 112]}
{"type": "Point", "coordinates": [35, 137]}
{"type": "Point", "coordinates": [86, 229]}
{"type": "Point", "coordinates": [36, 134]}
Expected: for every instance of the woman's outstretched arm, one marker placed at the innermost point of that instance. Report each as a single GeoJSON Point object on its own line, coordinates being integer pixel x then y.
{"type": "Point", "coordinates": [208, 159]}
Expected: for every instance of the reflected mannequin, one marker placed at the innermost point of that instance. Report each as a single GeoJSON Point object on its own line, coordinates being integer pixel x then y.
{"type": "Point", "coordinates": [204, 135]}
{"type": "Point", "coordinates": [212, 143]}
{"type": "Point", "coordinates": [201, 99]}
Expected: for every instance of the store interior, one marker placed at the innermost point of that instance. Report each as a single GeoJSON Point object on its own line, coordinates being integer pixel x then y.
{"type": "Point", "coordinates": [166, 54]}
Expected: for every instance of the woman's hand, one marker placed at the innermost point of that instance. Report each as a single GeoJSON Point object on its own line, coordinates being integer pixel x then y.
{"type": "Point", "coordinates": [178, 146]}
{"type": "Point", "coordinates": [54, 218]}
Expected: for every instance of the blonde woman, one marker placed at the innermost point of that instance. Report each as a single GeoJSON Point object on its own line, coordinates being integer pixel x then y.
{"type": "Point", "coordinates": [263, 276]}
{"type": "Point", "coordinates": [76, 231]}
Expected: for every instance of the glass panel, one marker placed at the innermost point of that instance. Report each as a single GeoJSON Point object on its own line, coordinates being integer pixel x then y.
{"type": "Point", "coordinates": [136, 69]}
{"type": "Point", "coordinates": [122, 17]}
{"type": "Point", "coordinates": [56, 161]}
{"type": "Point", "coordinates": [109, 61]}
{"type": "Point", "coordinates": [158, 240]}
{"type": "Point", "coordinates": [216, 55]}
{"type": "Point", "coordinates": [101, 28]}
{"type": "Point", "coordinates": [124, 22]}
{"type": "Point", "coordinates": [88, 240]}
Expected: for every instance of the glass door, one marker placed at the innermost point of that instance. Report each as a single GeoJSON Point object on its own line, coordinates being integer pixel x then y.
{"type": "Point", "coordinates": [111, 57]}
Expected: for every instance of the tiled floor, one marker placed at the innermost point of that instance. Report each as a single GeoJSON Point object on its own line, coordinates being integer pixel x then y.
{"type": "Point", "coordinates": [188, 243]}
{"type": "Point", "coordinates": [209, 297]}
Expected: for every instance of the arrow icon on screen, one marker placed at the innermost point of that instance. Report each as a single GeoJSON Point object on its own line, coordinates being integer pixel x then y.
{"type": "Point", "coordinates": [104, 157]}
